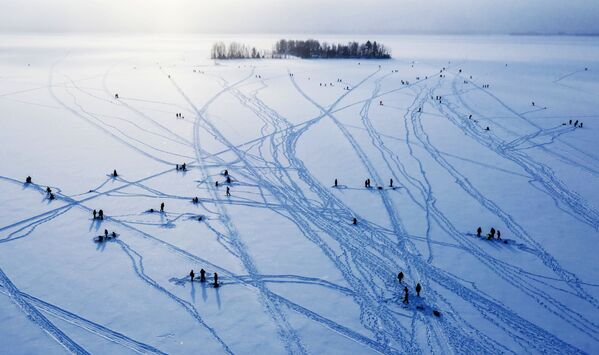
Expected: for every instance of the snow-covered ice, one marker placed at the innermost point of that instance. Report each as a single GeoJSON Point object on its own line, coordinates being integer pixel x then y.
{"type": "Point", "coordinates": [296, 275]}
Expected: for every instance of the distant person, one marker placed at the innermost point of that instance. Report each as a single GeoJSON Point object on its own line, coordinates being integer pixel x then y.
{"type": "Point", "coordinates": [354, 221]}
{"type": "Point", "coordinates": [113, 234]}
{"type": "Point", "coordinates": [491, 234]}
{"type": "Point", "coordinates": [28, 180]}
{"type": "Point", "coordinates": [570, 123]}
{"type": "Point", "coordinates": [51, 197]}
{"type": "Point", "coordinates": [216, 183]}
{"type": "Point", "coordinates": [215, 279]}
{"type": "Point", "coordinates": [226, 172]}
{"type": "Point", "coordinates": [202, 275]}
{"type": "Point", "coordinates": [105, 233]}
{"type": "Point", "coordinates": [184, 167]}
{"type": "Point", "coordinates": [228, 179]}
{"type": "Point", "coordinates": [335, 183]}
{"type": "Point", "coordinates": [94, 213]}
{"type": "Point", "coordinates": [576, 123]}
{"type": "Point", "coordinates": [405, 295]}
{"type": "Point", "coordinates": [114, 174]}
{"type": "Point", "coordinates": [116, 96]}
{"type": "Point", "coordinates": [391, 182]}
{"type": "Point", "coordinates": [48, 190]}
{"type": "Point", "coordinates": [498, 234]}
{"type": "Point", "coordinates": [191, 275]}
{"type": "Point", "coordinates": [101, 214]}
{"type": "Point", "coordinates": [533, 103]}
{"type": "Point", "coordinates": [478, 231]}
{"type": "Point", "coordinates": [400, 276]}
{"type": "Point", "coordinates": [162, 207]}
{"type": "Point", "coordinates": [177, 166]}
{"type": "Point", "coordinates": [580, 125]}
{"type": "Point", "coordinates": [487, 129]}
{"type": "Point", "coordinates": [418, 289]}
{"type": "Point", "coordinates": [228, 193]}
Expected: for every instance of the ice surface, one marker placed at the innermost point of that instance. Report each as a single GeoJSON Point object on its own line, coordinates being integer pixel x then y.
{"type": "Point", "coordinates": [296, 275]}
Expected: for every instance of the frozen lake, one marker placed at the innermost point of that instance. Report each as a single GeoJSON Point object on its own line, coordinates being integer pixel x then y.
{"type": "Point", "coordinates": [472, 130]}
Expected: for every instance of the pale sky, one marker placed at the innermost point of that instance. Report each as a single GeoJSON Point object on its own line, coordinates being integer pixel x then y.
{"type": "Point", "coordinates": [300, 16]}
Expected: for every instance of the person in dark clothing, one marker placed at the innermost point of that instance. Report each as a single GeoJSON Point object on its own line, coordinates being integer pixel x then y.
{"type": "Point", "coordinates": [487, 129]}
{"type": "Point", "coordinates": [51, 197]}
{"type": "Point", "coordinates": [48, 190]}
{"type": "Point", "coordinates": [105, 233]}
{"type": "Point", "coordinates": [184, 167]}
{"type": "Point", "coordinates": [228, 191]}
{"type": "Point", "coordinates": [114, 174]}
{"type": "Point", "coordinates": [335, 182]}
{"type": "Point", "coordinates": [478, 231]}
{"type": "Point", "coordinates": [533, 103]}
{"type": "Point", "coordinates": [202, 275]}
{"type": "Point", "coordinates": [405, 295]}
{"type": "Point", "coordinates": [228, 179]}
{"type": "Point", "coordinates": [226, 173]}
{"type": "Point", "coordinates": [215, 279]}
{"type": "Point", "coordinates": [570, 122]}
{"type": "Point", "coordinates": [354, 221]}
{"type": "Point", "coordinates": [390, 182]}
{"type": "Point", "coordinates": [113, 234]}
{"type": "Point", "coordinates": [116, 96]}
{"type": "Point", "coordinates": [400, 276]}
{"type": "Point", "coordinates": [580, 124]}
{"type": "Point", "coordinates": [162, 207]}
{"type": "Point", "coordinates": [418, 289]}
{"type": "Point", "coordinates": [498, 234]}
{"type": "Point", "coordinates": [191, 275]}
{"type": "Point", "coordinates": [176, 166]}
{"type": "Point", "coordinates": [216, 183]}
{"type": "Point", "coordinates": [94, 213]}
{"type": "Point", "coordinates": [101, 214]}
{"type": "Point", "coordinates": [491, 234]}
{"type": "Point", "coordinates": [576, 123]}
{"type": "Point", "coordinates": [366, 183]}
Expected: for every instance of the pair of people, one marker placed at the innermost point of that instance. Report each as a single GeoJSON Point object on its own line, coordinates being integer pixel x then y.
{"type": "Point", "coordinates": [98, 215]}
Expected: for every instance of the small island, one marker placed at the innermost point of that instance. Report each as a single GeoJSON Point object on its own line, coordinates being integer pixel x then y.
{"type": "Point", "coordinates": [306, 49]}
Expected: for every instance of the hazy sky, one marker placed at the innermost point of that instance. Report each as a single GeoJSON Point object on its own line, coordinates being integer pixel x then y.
{"type": "Point", "coordinates": [300, 16]}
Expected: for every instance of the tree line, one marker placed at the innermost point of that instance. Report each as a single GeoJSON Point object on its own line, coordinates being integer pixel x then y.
{"type": "Point", "coordinates": [310, 48]}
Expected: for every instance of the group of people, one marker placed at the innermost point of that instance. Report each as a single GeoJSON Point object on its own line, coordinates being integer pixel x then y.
{"type": "Point", "coordinates": [182, 167]}
{"type": "Point", "coordinates": [179, 115]}
{"type": "Point", "coordinates": [575, 124]}
{"type": "Point", "coordinates": [492, 233]}
{"type": "Point", "coordinates": [400, 277]}
{"type": "Point", "coordinates": [203, 277]}
{"type": "Point", "coordinates": [106, 236]}
{"type": "Point", "coordinates": [486, 86]}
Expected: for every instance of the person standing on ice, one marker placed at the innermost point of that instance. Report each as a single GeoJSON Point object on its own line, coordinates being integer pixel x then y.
{"type": "Point", "coordinates": [405, 295]}
{"type": "Point", "coordinates": [48, 190]}
{"type": "Point", "coordinates": [391, 182]}
{"type": "Point", "coordinates": [335, 182]}
{"type": "Point", "coordinates": [106, 233]}
{"type": "Point", "coordinates": [478, 231]}
{"type": "Point", "coordinates": [400, 276]}
{"type": "Point", "coordinates": [101, 214]}
{"type": "Point", "coordinates": [215, 280]}
{"type": "Point", "coordinates": [94, 213]}
{"type": "Point", "coordinates": [354, 221]}
{"type": "Point", "coordinates": [226, 173]}
{"type": "Point", "coordinates": [491, 234]}
{"type": "Point", "coordinates": [202, 275]}
{"type": "Point", "coordinates": [228, 191]}
{"type": "Point", "coordinates": [570, 122]}
{"type": "Point", "coordinates": [418, 289]}
{"type": "Point", "coordinates": [228, 179]}
{"type": "Point", "coordinates": [191, 275]}
{"type": "Point", "coordinates": [162, 207]}
{"type": "Point", "coordinates": [576, 123]}
{"type": "Point", "coordinates": [498, 234]}
{"type": "Point", "coordinates": [114, 174]}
